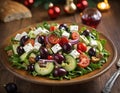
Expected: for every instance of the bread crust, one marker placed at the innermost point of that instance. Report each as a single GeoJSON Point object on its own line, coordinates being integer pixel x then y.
{"type": "Point", "coordinates": [11, 10]}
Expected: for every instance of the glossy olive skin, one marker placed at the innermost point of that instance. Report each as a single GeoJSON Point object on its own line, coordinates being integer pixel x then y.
{"type": "Point", "coordinates": [41, 39]}
{"type": "Point", "coordinates": [67, 47]}
{"type": "Point", "coordinates": [59, 58]}
{"type": "Point", "coordinates": [58, 72]}
{"type": "Point", "coordinates": [30, 67]}
{"type": "Point", "coordinates": [86, 33]}
{"type": "Point", "coordinates": [92, 52]}
{"type": "Point", "coordinates": [44, 53]}
{"type": "Point", "coordinates": [63, 27]}
{"type": "Point", "coordinates": [20, 50]}
{"type": "Point", "coordinates": [23, 40]}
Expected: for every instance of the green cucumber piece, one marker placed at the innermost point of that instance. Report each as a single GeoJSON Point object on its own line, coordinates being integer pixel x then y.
{"type": "Point", "coordinates": [23, 56]}
{"type": "Point", "coordinates": [31, 34]}
{"type": "Point", "coordinates": [84, 39]}
{"type": "Point", "coordinates": [14, 46]}
{"type": "Point", "coordinates": [44, 70]}
{"type": "Point", "coordinates": [70, 64]}
{"type": "Point", "coordinates": [100, 47]}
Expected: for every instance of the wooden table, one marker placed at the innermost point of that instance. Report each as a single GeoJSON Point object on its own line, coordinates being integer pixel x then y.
{"type": "Point", "coordinates": [109, 26]}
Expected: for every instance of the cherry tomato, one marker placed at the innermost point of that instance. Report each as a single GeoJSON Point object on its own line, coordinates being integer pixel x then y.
{"type": "Point", "coordinates": [32, 41]}
{"type": "Point", "coordinates": [81, 46]}
{"type": "Point", "coordinates": [84, 61]}
{"type": "Point", "coordinates": [63, 40]}
{"type": "Point", "coordinates": [50, 57]}
{"type": "Point", "coordinates": [53, 28]}
{"type": "Point", "coordinates": [53, 39]}
{"type": "Point", "coordinates": [75, 35]}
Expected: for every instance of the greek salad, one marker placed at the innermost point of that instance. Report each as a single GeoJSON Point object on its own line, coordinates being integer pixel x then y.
{"type": "Point", "coordinates": [57, 51]}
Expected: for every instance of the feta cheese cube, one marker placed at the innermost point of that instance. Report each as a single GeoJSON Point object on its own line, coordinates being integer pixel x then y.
{"type": "Point", "coordinates": [28, 47]}
{"type": "Point", "coordinates": [75, 53]}
{"type": "Point", "coordinates": [37, 45]}
{"type": "Point", "coordinates": [56, 48]}
{"type": "Point", "coordinates": [41, 31]}
{"type": "Point", "coordinates": [73, 28]}
{"type": "Point", "coordinates": [18, 37]}
{"type": "Point", "coordinates": [24, 34]}
{"type": "Point", "coordinates": [93, 43]}
{"type": "Point", "coordinates": [66, 34]}
{"type": "Point", "coordinates": [37, 31]}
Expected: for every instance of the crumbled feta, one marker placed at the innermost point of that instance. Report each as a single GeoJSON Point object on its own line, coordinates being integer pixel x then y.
{"type": "Point", "coordinates": [37, 31]}
{"type": "Point", "coordinates": [28, 47]}
{"type": "Point", "coordinates": [75, 53]}
{"type": "Point", "coordinates": [73, 28]}
{"type": "Point", "coordinates": [37, 45]}
{"type": "Point", "coordinates": [41, 31]}
{"type": "Point", "coordinates": [66, 34]}
{"type": "Point", "coordinates": [56, 48]}
{"type": "Point", "coordinates": [93, 43]}
{"type": "Point", "coordinates": [18, 37]}
{"type": "Point", "coordinates": [24, 34]}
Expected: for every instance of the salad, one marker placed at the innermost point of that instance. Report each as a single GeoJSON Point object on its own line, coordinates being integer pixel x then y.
{"type": "Point", "coordinates": [57, 51]}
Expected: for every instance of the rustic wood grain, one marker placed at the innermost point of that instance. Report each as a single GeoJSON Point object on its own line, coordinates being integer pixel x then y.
{"type": "Point", "coordinates": [109, 26]}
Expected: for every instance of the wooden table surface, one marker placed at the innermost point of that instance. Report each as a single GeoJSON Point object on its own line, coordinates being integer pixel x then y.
{"type": "Point", "coordinates": [109, 26]}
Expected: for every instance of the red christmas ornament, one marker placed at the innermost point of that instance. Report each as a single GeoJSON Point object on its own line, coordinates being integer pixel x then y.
{"type": "Point", "coordinates": [27, 3]}
{"type": "Point", "coordinates": [53, 11]}
{"type": "Point", "coordinates": [82, 4]}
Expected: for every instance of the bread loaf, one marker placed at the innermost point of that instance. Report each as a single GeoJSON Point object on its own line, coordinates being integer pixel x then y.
{"type": "Point", "coordinates": [11, 10]}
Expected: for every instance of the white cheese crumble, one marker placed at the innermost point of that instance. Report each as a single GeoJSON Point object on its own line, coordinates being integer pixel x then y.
{"type": "Point", "coordinates": [56, 48]}
{"type": "Point", "coordinates": [37, 45]}
{"type": "Point", "coordinates": [24, 34]}
{"type": "Point", "coordinates": [73, 28]}
{"type": "Point", "coordinates": [41, 31]}
{"type": "Point", "coordinates": [75, 53]}
{"type": "Point", "coordinates": [93, 43]}
{"type": "Point", "coordinates": [18, 37]}
{"type": "Point", "coordinates": [66, 34]}
{"type": "Point", "coordinates": [28, 47]}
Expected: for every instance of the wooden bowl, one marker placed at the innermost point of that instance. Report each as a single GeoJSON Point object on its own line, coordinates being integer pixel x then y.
{"type": "Point", "coordinates": [46, 81]}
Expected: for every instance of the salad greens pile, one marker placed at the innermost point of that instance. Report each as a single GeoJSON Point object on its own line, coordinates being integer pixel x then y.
{"type": "Point", "coordinates": [57, 51]}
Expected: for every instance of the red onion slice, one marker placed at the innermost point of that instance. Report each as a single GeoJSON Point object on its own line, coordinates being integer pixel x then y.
{"type": "Point", "coordinates": [74, 41]}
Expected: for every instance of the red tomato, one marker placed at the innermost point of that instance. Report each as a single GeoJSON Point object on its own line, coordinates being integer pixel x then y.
{"type": "Point", "coordinates": [50, 57]}
{"type": "Point", "coordinates": [63, 40]}
{"type": "Point", "coordinates": [75, 35]}
{"type": "Point", "coordinates": [53, 39]}
{"type": "Point", "coordinates": [32, 41]}
{"type": "Point", "coordinates": [84, 61]}
{"type": "Point", "coordinates": [52, 28]}
{"type": "Point", "coordinates": [81, 46]}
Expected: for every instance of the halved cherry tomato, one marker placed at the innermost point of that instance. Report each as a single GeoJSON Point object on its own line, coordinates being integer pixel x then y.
{"type": "Point", "coordinates": [81, 46]}
{"type": "Point", "coordinates": [53, 28]}
{"type": "Point", "coordinates": [84, 61]}
{"type": "Point", "coordinates": [32, 41]}
{"type": "Point", "coordinates": [53, 39]}
{"type": "Point", "coordinates": [50, 57]}
{"type": "Point", "coordinates": [63, 40]}
{"type": "Point", "coordinates": [75, 35]}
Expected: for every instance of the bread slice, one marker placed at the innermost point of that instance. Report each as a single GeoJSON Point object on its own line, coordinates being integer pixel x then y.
{"type": "Point", "coordinates": [11, 10]}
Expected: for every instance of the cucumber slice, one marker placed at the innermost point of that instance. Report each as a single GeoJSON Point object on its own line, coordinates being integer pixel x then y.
{"type": "Point", "coordinates": [44, 70]}
{"type": "Point", "coordinates": [70, 64]}
{"type": "Point", "coordinates": [14, 46]}
{"type": "Point", "coordinates": [84, 39]}
{"type": "Point", "coordinates": [31, 34]}
{"type": "Point", "coordinates": [100, 47]}
{"type": "Point", "coordinates": [23, 56]}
